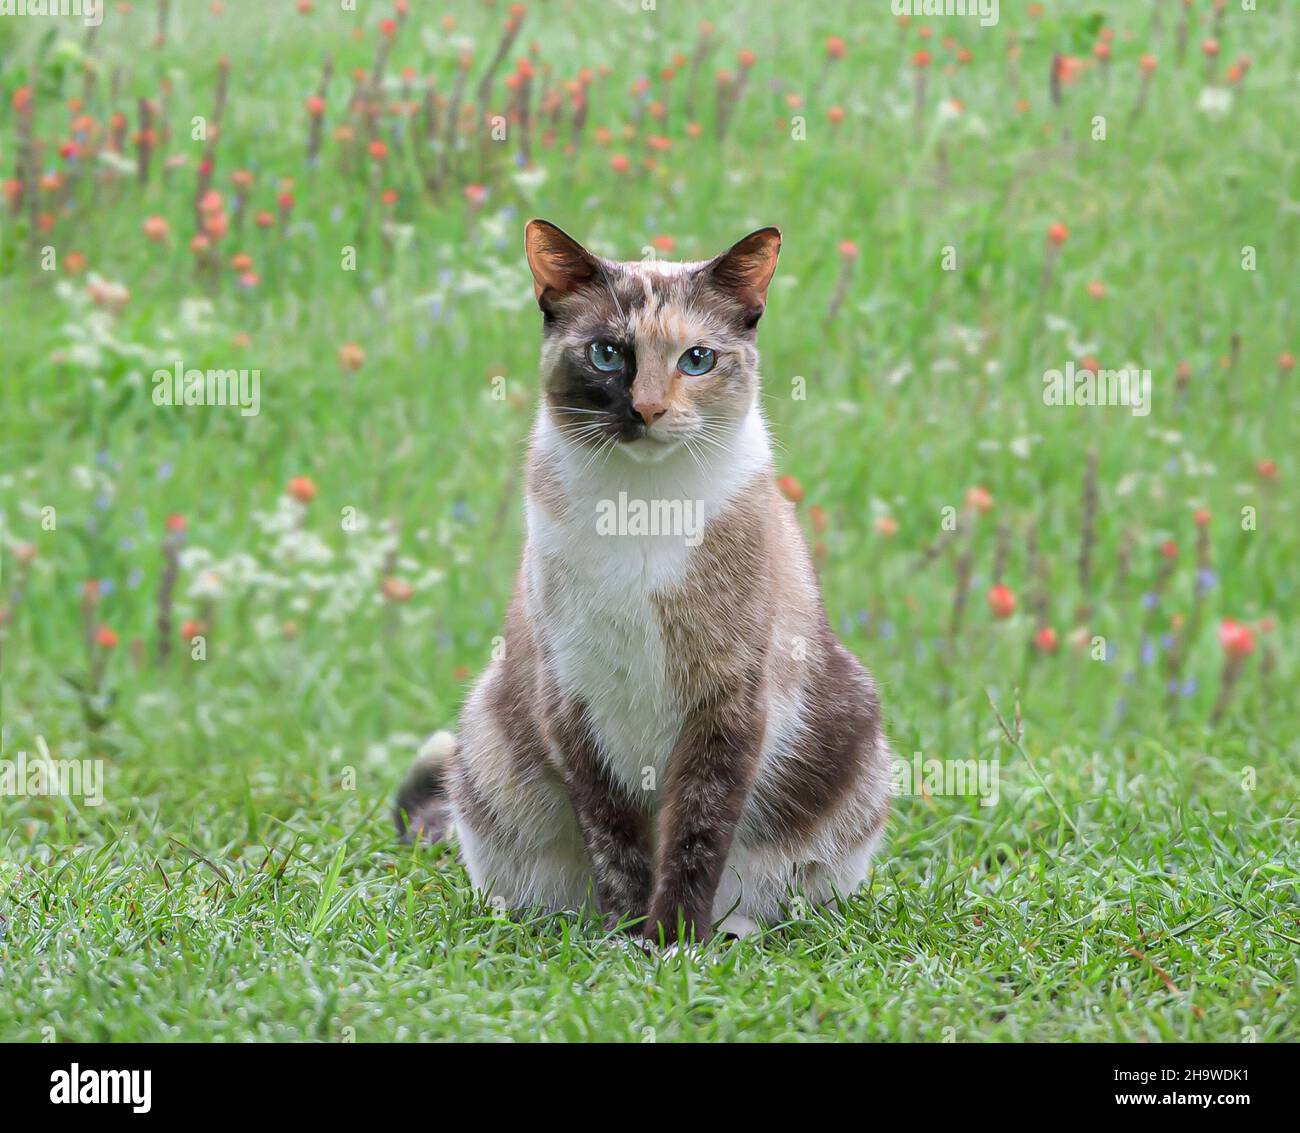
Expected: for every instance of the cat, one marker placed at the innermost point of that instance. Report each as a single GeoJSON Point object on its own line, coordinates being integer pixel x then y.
{"type": "Point", "coordinates": [672, 728]}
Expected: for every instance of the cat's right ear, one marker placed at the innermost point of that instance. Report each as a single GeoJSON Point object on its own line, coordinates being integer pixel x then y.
{"type": "Point", "coordinates": [558, 262]}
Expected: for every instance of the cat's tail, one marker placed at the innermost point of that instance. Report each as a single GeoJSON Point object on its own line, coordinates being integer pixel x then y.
{"type": "Point", "coordinates": [423, 808]}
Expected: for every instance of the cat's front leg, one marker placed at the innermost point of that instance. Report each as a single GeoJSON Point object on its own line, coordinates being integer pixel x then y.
{"type": "Point", "coordinates": [710, 773]}
{"type": "Point", "coordinates": [615, 827]}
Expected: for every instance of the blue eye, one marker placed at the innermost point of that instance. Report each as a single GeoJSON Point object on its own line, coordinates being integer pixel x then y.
{"type": "Point", "coordinates": [696, 361]}
{"type": "Point", "coordinates": [605, 356]}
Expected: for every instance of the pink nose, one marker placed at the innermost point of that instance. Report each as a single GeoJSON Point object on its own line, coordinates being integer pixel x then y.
{"type": "Point", "coordinates": [649, 411]}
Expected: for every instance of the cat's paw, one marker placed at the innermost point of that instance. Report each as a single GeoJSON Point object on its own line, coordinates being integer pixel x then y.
{"type": "Point", "coordinates": [630, 923]}
{"type": "Point", "coordinates": [734, 926]}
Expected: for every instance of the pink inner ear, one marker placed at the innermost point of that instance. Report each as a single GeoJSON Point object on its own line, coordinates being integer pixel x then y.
{"type": "Point", "coordinates": [747, 267]}
{"type": "Point", "coordinates": [557, 261]}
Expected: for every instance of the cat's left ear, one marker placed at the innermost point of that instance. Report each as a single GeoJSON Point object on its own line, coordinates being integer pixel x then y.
{"type": "Point", "coordinates": [746, 268]}
{"type": "Point", "coordinates": [558, 262]}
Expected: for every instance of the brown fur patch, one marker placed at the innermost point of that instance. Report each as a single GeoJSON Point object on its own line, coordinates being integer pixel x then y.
{"type": "Point", "coordinates": [716, 626]}
{"type": "Point", "coordinates": [615, 826]}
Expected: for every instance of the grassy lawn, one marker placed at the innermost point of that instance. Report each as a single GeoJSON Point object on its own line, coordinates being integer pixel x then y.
{"type": "Point", "coordinates": [1135, 877]}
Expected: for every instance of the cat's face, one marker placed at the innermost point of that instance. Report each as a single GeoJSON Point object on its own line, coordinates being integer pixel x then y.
{"type": "Point", "coordinates": [648, 356]}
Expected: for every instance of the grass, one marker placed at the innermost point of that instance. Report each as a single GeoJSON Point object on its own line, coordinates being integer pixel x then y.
{"type": "Point", "coordinates": [1137, 877]}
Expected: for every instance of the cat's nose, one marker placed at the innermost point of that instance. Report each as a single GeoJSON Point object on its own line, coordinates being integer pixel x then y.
{"type": "Point", "coordinates": [648, 409]}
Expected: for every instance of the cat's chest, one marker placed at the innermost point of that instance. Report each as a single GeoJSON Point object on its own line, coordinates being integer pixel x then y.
{"type": "Point", "coordinates": [593, 601]}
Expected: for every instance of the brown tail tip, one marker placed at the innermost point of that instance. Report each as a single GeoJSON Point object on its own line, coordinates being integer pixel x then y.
{"type": "Point", "coordinates": [422, 809]}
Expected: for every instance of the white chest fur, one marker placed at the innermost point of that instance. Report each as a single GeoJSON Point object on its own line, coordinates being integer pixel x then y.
{"type": "Point", "coordinates": [626, 533]}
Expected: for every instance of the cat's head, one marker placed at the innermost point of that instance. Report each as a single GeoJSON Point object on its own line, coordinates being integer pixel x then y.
{"type": "Point", "coordinates": [648, 355]}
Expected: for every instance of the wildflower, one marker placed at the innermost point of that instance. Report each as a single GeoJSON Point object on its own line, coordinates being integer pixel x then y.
{"type": "Point", "coordinates": [155, 228]}
{"type": "Point", "coordinates": [241, 262]}
{"type": "Point", "coordinates": [397, 589]}
{"type": "Point", "coordinates": [790, 488]}
{"type": "Point", "coordinates": [1237, 639]}
{"type": "Point", "coordinates": [836, 115]}
{"type": "Point", "coordinates": [1097, 289]}
{"type": "Point", "coordinates": [1286, 362]}
{"type": "Point", "coordinates": [817, 515]}
{"type": "Point", "coordinates": [979, 499]}
{"type": "Point", "coordinates": [378, 149]}
{"type": "Point", "coordinates": [1148, 64]}
{"type": "Point", "coordinates": [1210, 47]}
{"type": "Point", "coordinates": [921, 60]}
{"type": "Point", "coordinates": [887, 526]}
{"type": "Point", "coordinates": [315, 105]}
{"type": "Point", "coordinates": [216, 225]}
{"type": "Point", "coordinates": [1169, 550]}
{"type": "Point", "coordinates": [475, 195]}
{"type": "Point", "coordinates": [24, 552]}
{"type": "Point", "coordinates": [1267, 469]}
{"type": "Point", "coordinates": [176, 523]}
{"type": "Point", "coordinates": [664, 243]}
{"type": "Point", "coordinates": [105, 638]}
{"type": "Point", "coordinates": [1001, 599]}
{"type": "Point", "coordinates": [1045, 640]}
{"type": "Point", "coordinates": [834, 47]}
{"type": "Point", "coordinates": [746, 59]}
{"type": "Point", "coordinates": [351, 356]}
{"type": "Point", "coordinates": [302, 489]}
{"type": "Point", "coordinates": [191, 628]}
{"type": "Point", "coordinates": [263, 219]}
{"type": "Point", "coordinates": [1057, 234]}
{"type": "Point", "coordinates": [1201, 517]}
{"type": "Point", "coordinates": [619, 163]}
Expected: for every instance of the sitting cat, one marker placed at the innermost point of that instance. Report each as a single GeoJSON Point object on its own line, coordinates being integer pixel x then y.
{"type": "Point", "coordinates": [672, 727]}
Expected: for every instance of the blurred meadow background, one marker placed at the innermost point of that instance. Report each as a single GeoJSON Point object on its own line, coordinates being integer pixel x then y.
{"type": "Point", "coordinates": [251, 622]}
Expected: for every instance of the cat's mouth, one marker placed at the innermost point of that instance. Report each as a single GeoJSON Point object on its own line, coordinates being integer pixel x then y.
{"type": "Point", "coordinates": [648, 448]}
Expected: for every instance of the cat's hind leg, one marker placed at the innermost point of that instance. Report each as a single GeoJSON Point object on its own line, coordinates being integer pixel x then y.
{"type": "Point", "coordinates": [518, 834]}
